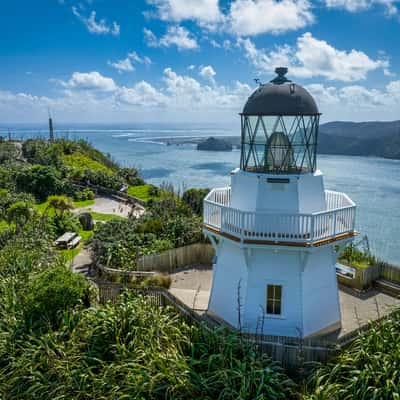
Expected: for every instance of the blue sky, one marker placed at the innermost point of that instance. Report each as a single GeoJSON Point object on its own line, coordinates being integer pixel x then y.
{"type": "Point", "coordinates": [194, 60]}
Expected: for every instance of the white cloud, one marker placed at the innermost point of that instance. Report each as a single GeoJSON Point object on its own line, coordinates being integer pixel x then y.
{"type": "Point", "coordinates": [97, 27]}
{"type": "Point", "coordinates": [92, 81]}
{"type": "Point", "coordinates": [362, 5]}
{"type": "Point", "coordinates": [205, 12]}
{"type": "Point", "coordinates": [126, 64]}
{"type": "Point", "coordinates": [141, 94]}
{"type": "Point", "coordinates": [208, 73]}
{"type": "Point", "coordinates": [183, 98]}
{"type": "Point", "coordinates": [313, 57]}
{"type": "Point", "coordinates": [175, 36]}
{"type": "Point", "coordinates": [253, 17]}
{"type": "Point", "coordinates": [226, 44]}
{"type": "Point", "coordinates": [187, 93]}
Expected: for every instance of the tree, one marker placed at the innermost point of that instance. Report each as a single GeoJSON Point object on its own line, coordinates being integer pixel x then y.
{"type": "Point", "coordinates": [194, 199]}
{"type": "Point", "coordinates": [19, 213]}
{"type": "Point", "coordinates": [39, 180]}
{"type": "Point", "coordinates": [59, 204]}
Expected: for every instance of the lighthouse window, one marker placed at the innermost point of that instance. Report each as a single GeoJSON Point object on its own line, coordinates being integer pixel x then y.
{"type": "Point", "coordinates": [274, 299]}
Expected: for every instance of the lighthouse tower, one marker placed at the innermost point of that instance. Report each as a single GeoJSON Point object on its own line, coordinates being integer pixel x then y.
{"type": "Point", "coordinates": [275, 229]}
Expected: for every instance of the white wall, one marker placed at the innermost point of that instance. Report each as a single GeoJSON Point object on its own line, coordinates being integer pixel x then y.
{"type": "Point", "coordinates": [228, 271]}
{"type": "Point", "coordinates": [274, 268]}
{"type": "Point", "coordinates": [320, 291]}
{"type": "Point", "coordinates": [303, 193]}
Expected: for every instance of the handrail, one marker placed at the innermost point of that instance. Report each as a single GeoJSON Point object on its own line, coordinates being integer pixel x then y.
{"type": "Point", "coordinates": [337, 219]}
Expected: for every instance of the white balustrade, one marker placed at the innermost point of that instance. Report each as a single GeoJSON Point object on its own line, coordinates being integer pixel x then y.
{"type": "Point", "coordinates": [338, 219]}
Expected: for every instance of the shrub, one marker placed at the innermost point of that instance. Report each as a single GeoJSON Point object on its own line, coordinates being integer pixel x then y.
{"type": "Point", "coordinates": [157, 280]}
{"type": "Point", "coordinates": [368, 369]}
{"type": "Point", "coordinates": [85, 194]}
{"type": "Point", "coordinates": [194, 199]}
{"type": "Point", "coordinates": [39, 180]}
{"type": "Point", "coordinates": [52, 292]}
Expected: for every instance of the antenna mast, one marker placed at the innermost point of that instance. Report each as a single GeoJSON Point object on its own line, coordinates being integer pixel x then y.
{"type": "Point", "coordinates": [51, 130]}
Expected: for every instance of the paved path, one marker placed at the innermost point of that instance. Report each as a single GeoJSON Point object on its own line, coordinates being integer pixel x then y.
{"type": "Point", "coordinates": [82, 262]}
{"type": "Point", "coordinates": [192, 286]}
{"type": "Point", "coordinates": [109, 205]}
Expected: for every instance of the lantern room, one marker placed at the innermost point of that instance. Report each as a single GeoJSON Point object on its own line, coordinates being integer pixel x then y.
{"type": "Point", "coordinates": [279, 127]}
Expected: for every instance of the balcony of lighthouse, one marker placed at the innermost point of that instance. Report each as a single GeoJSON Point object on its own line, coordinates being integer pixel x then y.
{"type": "Point", "coordinates": [336, 222]}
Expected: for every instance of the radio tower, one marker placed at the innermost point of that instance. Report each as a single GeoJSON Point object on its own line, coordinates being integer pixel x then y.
{"type": "Point", "coordinates": [51, 130]}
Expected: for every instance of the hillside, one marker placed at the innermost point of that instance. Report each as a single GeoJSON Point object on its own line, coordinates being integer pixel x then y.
{"type": "Point", "coordinates": [380, 139]}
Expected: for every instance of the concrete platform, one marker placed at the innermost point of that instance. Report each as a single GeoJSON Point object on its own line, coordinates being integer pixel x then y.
{"type": "Point", "coordinates": [192, 286]}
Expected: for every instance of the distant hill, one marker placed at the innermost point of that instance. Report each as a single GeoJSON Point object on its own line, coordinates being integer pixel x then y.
{"type": "Point", "coordinates": [380, 139]}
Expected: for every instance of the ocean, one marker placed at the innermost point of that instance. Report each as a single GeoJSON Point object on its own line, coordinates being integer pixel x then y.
{"type": "Point", "coordinates": [373, 183]}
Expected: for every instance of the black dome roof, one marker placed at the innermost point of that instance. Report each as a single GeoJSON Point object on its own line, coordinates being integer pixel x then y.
{"type": "Point", "coordinates": [280, 97]}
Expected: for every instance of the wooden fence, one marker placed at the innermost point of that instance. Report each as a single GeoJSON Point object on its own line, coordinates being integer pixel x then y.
{"type": "Point", "coordinates": [365, 277]}
{"type": "Point", "coordinates": [170, 260]}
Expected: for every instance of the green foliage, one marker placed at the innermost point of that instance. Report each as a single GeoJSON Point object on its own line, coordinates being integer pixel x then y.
{"type": "Point", "coordinates": [81, 163]}
{"type": "Point", "coordinates": [84, 195]}
{"type": "Point", "coordinates": [52, 292]}
{"type": "Point", "coordinates": [157, 280]}
{"type": "Point", "coordinates": [131, 176]}
{"type": "Point", "coordinates": [8, 152]}
{"type": "Point", "coordinates": [194, 199]}
{"type": "Point", "coordinates": [105, 217]}
{"type": "Point", "coordinates": [168, 223]}
{"type": "Point", "coordinates": [40, 180]}
{"type": "Point", "coordinates": [19, 213]}
{"type": "Point", "coordinates": [368, 369]}
{"type": "Point", "coordinates": [145, 192]}
{"type": "Point", "coordinates": [134, 350]}
{"type": "Point", "coordinates": [66, 222]}
{"type": "Point", "coordinates": [356, 258]}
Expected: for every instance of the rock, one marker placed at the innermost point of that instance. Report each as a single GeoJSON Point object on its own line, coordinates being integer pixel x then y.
{"type": "Point", "coordinates": [86, 221]}
{"type": "Point", "coordinates": [213, 144]}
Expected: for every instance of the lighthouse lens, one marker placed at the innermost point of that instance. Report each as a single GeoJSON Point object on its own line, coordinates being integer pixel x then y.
{"type": "Point", "coordinates": [279, 144]}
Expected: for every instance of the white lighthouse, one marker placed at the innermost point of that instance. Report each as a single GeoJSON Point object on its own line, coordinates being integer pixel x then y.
{"type": "Point", "coordinates": [276, 230]}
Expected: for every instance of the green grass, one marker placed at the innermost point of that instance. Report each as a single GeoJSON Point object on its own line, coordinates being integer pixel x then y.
{"type": "Point", "coordinates": [354, 263]}
{"type": "Point", "coordinates": [83, 203]}
{"type": "Point", "coordinates": [141, 192]}
{"type": "Point", "coordinates": [41, 207]}
{"type": "Point", "coordinates": [105, 217]}
{"type": "Point", "coordinates": [81, 162]}
{"type": "Point", "coordinates": [70, 254]}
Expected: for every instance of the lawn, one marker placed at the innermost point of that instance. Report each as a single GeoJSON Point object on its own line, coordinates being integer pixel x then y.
{"type": "Point", "coordinates": [81, 162]}
{"type": "Point", "coordinates": [77, 204]}
{"type": "Point", "coordinates": [83, 203]}
{"type": "Point", "coordinates": [105, 217]}
{"type": "Point", "coordinates": [141, 192]}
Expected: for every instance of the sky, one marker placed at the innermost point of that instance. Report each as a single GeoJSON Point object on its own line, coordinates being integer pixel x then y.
{"type": "Point", "coordinates": [194, 61]}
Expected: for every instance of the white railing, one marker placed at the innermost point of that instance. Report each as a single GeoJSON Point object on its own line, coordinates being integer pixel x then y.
{"type": "Point", "coordinates": [337, 219]}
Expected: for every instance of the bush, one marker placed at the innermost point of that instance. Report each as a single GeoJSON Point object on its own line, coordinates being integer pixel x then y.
{"type": "Point", "coordinates": [52, 292]}
{"type": "Point", "coordinates": [85, 194]}
{"type": "Point", "coordinates": [194, 199]}
{"type": "Point", "coordinates": [39, 180]}
{"type": "Point", "coordinates": [368, 369]}
{"type": "Point", "coordinates": [157, 280]}
{"type": "Point", "coordinates": [133, 350]}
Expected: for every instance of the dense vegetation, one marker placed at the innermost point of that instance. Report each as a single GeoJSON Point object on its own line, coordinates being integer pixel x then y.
{"type": "Point", "coordinates": [57, 342]}
{"type": "Point", "coordinates": [355, 257]}
{"type": "Point", "coordinates": [168, 223]}
{"type": "Point", "coordinates": [368, 369]}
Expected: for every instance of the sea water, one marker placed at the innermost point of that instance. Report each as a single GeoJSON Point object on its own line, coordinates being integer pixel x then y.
{"type": "Point", "coordinates": [372, 183]}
